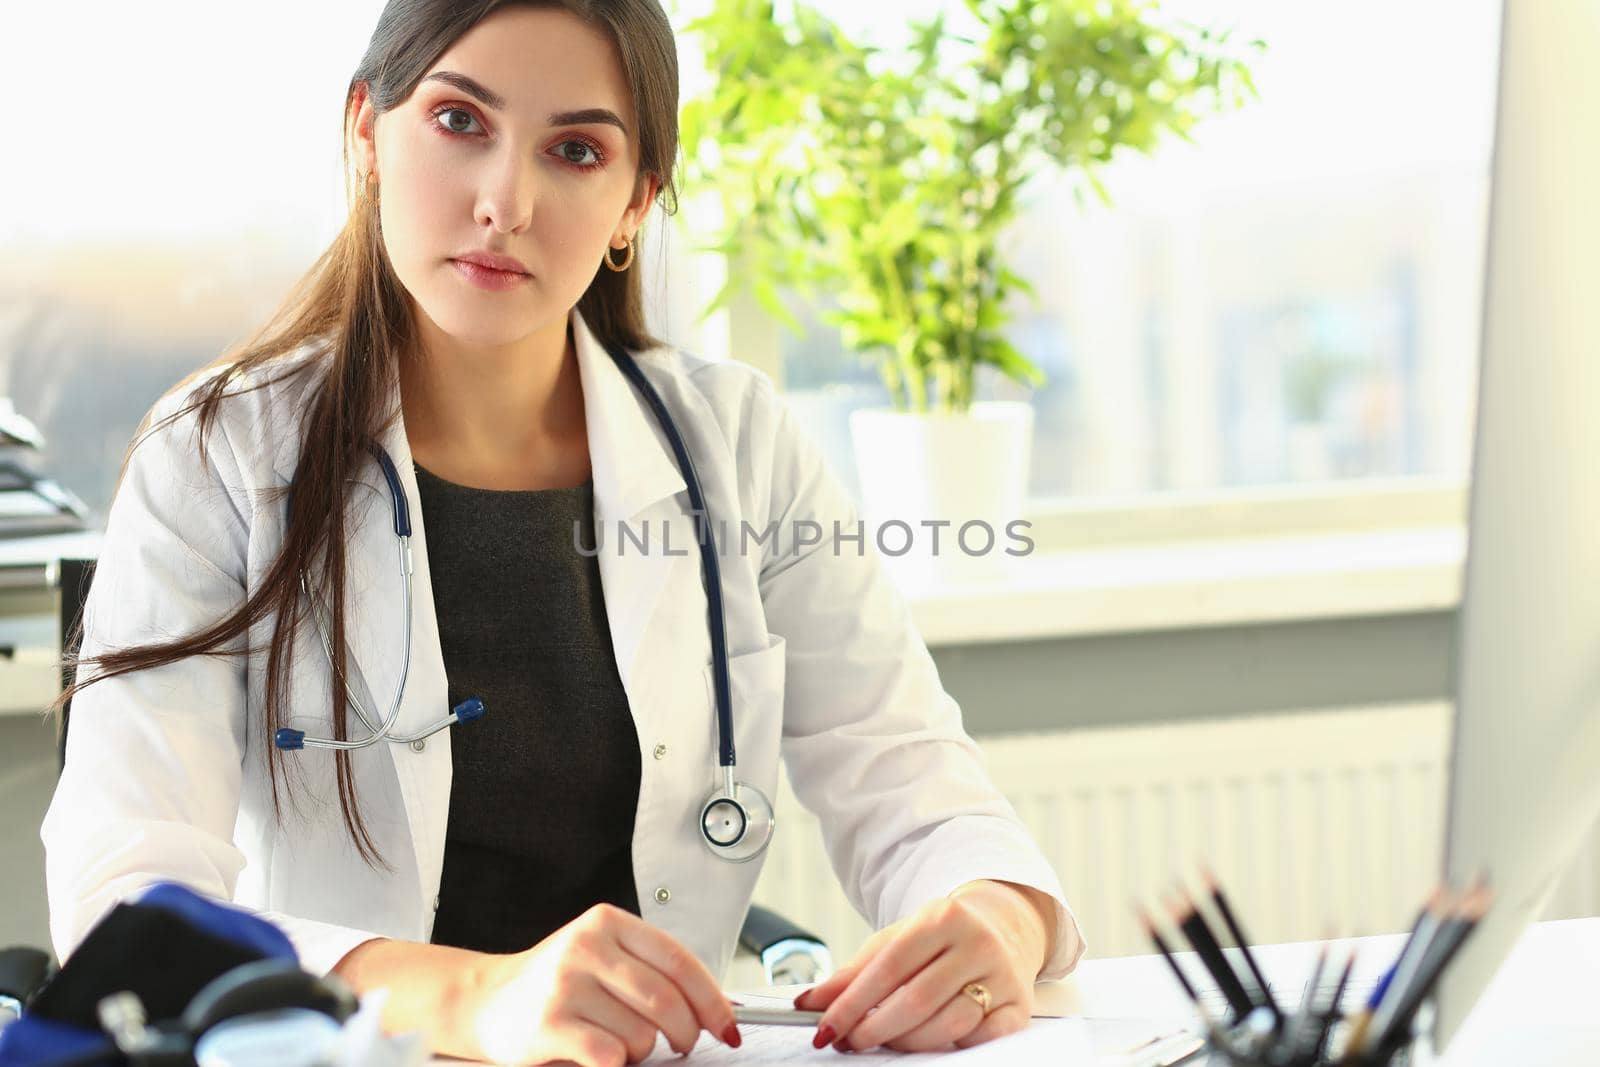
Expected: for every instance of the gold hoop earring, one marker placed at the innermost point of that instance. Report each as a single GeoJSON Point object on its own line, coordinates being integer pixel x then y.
{"type": "Point", "coordinates": [625, 264]}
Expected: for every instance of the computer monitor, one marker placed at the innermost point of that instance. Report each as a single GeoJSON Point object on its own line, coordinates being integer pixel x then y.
{"type": "Point", "coordinates": [1525, 759]}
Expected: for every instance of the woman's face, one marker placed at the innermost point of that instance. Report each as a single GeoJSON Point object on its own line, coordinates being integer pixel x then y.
{"type": "Point", "coordinates": [509, 145]}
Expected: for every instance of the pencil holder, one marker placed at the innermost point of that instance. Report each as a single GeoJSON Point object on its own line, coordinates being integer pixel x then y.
{"type": "Point", "coordinates": [1391, 1028]}
{"type": "Point", "coordinates": [1316, 1041]}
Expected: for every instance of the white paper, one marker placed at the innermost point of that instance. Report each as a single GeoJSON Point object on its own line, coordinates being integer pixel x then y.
{"type": "Point", "coordinates": [1060, 1042]}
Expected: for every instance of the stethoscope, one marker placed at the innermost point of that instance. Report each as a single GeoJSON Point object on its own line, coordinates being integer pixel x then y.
{"type": "Point", "coordinates": [736, 820]}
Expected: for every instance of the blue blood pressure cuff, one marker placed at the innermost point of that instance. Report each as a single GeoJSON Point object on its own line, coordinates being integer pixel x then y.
{"type": "Point", "coordinates": [190, 961]}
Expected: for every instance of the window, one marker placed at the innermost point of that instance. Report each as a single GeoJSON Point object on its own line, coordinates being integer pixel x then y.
{"type": "Point", "coordinates": [164, 192]}
{"type": "Point", "coordinates": [167, 194]}
{"type": "Point", "coordinates": [1294, 298]}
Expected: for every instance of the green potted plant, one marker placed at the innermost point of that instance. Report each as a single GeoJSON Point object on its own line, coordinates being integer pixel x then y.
{"type": "Point", "coordinates": [887, 179]}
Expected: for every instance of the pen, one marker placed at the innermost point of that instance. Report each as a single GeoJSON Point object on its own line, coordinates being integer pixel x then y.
{"type": "Point", "coordinates": [775, 1016]}
{"type": "Point", "coordinates": [1361, 1022]}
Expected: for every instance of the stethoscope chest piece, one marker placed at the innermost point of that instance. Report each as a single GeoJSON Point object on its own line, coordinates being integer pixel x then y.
{"type": "Point", "coordinates": [736, 821]}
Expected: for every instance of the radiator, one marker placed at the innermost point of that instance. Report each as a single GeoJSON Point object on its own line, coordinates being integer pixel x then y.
{"type": "Point", "coordinates": [1318, 823]}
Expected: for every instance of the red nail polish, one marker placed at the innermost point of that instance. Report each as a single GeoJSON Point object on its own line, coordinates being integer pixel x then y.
{"type": "Point", "coordinates": [731, 1037]}
{"type": "Point", "coordinates": [841, 1046]}
{"type": "Point", "coordinates": [825, 1036]}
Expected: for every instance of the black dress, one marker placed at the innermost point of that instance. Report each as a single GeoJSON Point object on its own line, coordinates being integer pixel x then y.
{"type": "Point", "coordinates": [546, 783]}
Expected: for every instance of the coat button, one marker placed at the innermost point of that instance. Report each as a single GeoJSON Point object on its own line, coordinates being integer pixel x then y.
{"type": "Point", "coordinates": [418, 745]}
{"type": "Point", "coordinates": [661, 750]}
{"type": "Point", "coordinates": [663, 894]}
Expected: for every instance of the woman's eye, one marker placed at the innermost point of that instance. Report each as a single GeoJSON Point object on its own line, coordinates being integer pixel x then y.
{"type": "Point", "coordinates": [572, 152]}
{"type": "Point", "coordinates": [456, 120]}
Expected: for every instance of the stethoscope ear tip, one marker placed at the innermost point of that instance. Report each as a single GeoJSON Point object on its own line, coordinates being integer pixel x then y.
{"type": "Point", "coordinates": [289, 739]}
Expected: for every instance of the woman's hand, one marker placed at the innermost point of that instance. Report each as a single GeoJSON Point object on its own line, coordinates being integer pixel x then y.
{"type": "Point", "coordinates": [596, 992]}
{"type": "Point", "coordinates": [905, 988]}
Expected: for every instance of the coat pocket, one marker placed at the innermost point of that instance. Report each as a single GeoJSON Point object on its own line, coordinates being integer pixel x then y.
{"type": "Point", "coordinates": [756, 684]}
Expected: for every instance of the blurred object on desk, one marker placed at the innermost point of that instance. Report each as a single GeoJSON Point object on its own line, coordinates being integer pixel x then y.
{"type": "Point", "coordinates": [30, 504]}
{"type": "Point", "coordinates": [16, 430]}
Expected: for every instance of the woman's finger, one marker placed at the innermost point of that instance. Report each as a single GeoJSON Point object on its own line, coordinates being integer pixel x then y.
{"type": "Point", "coordinates": [819, 996]}
{"type": "Point", "coordinates": [1006, 1019]}
{"type": "Point", "coordinates": [582, 1042]}
{"type": "Point", "coordinates": [648, 993]}
{"type": "Point", "coordinates": [683, 969]}
{"type": "Point", "coordinates": [955, 1019]}
{"type": "Point", "coordinates": [613, 1016]}
{"type": "Point", "coordinates": [918, 1002]}
{"type": "Point", "coordinates": [893, 965]}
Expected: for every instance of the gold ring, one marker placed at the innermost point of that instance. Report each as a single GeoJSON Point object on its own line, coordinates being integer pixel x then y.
{"type": "Point", "coordinates": [979, 992]}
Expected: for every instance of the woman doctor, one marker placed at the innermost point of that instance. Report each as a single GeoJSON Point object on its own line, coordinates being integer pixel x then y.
{"type": "Point", "coordinates": [545, 881]}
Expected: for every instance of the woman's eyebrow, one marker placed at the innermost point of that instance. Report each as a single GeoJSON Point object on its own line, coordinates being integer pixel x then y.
{"type": "Point", "coordinates": [494, 100]}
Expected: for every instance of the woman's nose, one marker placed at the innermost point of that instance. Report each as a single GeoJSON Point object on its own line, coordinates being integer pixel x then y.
{"type": "Point", "coordinates": [507, 191]}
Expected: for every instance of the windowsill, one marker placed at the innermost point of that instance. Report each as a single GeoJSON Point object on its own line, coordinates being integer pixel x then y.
{"type": "Point", "coordinates": [1150, 587]}
{"type": "Point", "coordinates": [1257, 512]}
{"type": "Point", "coordinates": [1224, 582]}
{"type": "Point", "coordinates": [1160, 563]}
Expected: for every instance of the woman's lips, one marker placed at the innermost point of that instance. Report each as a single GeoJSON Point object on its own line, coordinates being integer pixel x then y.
{"type": "Point", "coordinates": [489, 278]}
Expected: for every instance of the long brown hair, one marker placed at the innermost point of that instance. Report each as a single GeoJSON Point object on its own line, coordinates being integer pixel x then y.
{"type": "Point", "coordinates": [352, 313]}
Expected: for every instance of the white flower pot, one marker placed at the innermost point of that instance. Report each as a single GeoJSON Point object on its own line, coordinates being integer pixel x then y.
{"type": "Point", "coordinates": [967, 470]}
{"type": "Point", "coordinates": [1310, 452]}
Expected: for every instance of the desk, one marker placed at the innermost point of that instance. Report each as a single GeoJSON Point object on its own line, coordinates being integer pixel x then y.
{"type": "Point", "coordinates": [1540, 1010]}
{"type": "Point", "coordinates": [30, 675]}
{"type": "Point", "coordinates": [1548, 987]}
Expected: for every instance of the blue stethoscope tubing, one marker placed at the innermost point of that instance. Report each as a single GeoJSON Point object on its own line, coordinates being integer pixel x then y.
{"type": "Point", "coordinates": [737, 819]}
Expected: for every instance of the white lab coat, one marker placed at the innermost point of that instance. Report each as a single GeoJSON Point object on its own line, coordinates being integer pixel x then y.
{"type": "Point", "coordinates": [166, 774]}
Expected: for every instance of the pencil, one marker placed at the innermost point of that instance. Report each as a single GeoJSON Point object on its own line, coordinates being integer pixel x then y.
{"type": "Point", "coordinates": [1474, 905]}
{"type": "Point", "coordinates": [1358, 1035]}
{"type": "Point", "coordinates": [1166, 953]}
{"type": "Point", "coordinates": [1331, 1013]}
{"type": "Point", "coordinates": [1470, 909]}
{"type": "Point", "coordinates": [1356, 1043]}
{"type": "Point", "coordinates": [1363, 1018]}
{"type": "Point", "coordinates": [1440, 906]}
{"type": "Point", "coordinates": [1308, 1000]}
{"type": "Point", "coordinates": [1221, 901]}
{"type": "Point", "coordinates": [1193, 924]}
{"type": "Point", "coordinates": [1212, 1030]}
